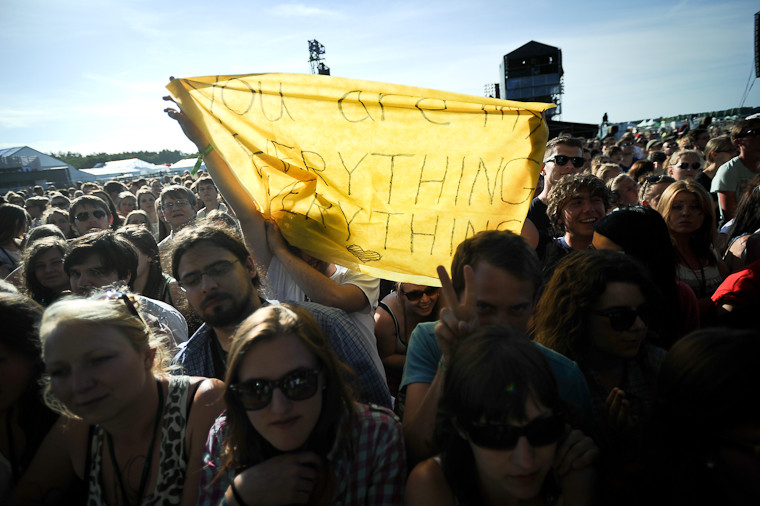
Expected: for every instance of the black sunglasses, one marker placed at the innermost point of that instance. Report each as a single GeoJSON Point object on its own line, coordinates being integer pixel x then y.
{"type": "Point", "coordinates": [623, 318]}
{"type": "Point", "coordinates": [654, 179]}
{"type": "Point", "coordinates": [685, 165]}
{"type": "Point", "coordinates": [749, 133]}
{"type": "Point", "coordinates": [503, 436]}
{"type": "Point", "coordinates": [416, 295]}
{"type": "Point", "coordinates": [84, 215]}
{"type": "Point", "coordinates": [255, 394]}
{"type": "Point", "coordinates": [561, 160]}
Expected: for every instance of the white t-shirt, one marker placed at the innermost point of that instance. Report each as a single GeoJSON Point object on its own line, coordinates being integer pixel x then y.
{"type": "Point", "coordinates": [282, 287]}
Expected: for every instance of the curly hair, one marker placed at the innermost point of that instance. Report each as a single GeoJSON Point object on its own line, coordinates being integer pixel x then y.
{"type": "Point", "coordinates": [569, 187]}
{"type": "Point", "coordinates": [563, 314]}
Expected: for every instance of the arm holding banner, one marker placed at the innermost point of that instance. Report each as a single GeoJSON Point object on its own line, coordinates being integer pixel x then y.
{"type": "Point", "coordinates": [247, 212]}
{"type": "Point", "coordinates": [316, 284]}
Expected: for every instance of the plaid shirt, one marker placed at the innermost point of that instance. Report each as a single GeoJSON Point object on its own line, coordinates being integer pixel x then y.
{"type": "Point", "coordinates": [195, 356]}
{"type": "Point", "coordinates": [370, 468]}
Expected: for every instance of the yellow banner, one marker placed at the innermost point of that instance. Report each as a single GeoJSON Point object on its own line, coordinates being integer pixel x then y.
{"type": "Point", "coordinates": [380, 178]}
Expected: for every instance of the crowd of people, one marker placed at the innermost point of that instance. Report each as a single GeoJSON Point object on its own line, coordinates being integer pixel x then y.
{"type": "Point", "coordinates": [167, 345]}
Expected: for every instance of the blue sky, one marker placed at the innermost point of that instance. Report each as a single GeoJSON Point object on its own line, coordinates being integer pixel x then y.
{"type": "Point", "coordinates": [88, 75]}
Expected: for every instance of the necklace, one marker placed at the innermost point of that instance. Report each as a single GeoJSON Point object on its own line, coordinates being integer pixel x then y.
{"type": "Point", "coordinates": [149, 457]}
{"type": "Point", "coordinates": [700, 277]}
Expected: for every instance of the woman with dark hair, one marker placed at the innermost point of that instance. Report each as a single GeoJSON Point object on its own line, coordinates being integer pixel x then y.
{"type": "Point", "coordinates": [43, 277]}
{"type": "Point", "coordinates": [117, 220]}
{"type": "Point", "coordinates": [59, 218]}
{"type": "Point", "coordinates": [687, 210]}
{"type": "Point", "coordinates": [292, 433]}
{"type": "Point", "coordinates": [641, 233]}
{"type": "Point", "coordinates": [14, 222]}
{"type": "Point", "coordinates": [704, 441]}
{"type": "Point", "coordinates": [25, 418]}
{"type": "Point", "coordinates": [595, 310]}
{"type": "Point", "coordinates": [746, 223]}
{"type": "Point", "coordinates": [499, 423]}
{"type": "Point", "coordinates": [151, 280]}
{"type": "Point", "coordinates": [397, 315]}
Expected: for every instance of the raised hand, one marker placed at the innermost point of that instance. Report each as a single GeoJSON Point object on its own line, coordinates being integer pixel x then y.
{"type": "Point", "coordinates": [459, 317]}
{"type": "Point", "coordinates": [188, 127]}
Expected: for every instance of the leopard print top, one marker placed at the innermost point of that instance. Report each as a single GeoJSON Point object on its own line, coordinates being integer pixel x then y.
{"type": "Point", "coordinates": [172, 463]}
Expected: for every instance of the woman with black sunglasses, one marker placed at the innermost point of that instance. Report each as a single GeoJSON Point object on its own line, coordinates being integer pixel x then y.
{"type": "Point", "coordinates": [292, 433]}
{"type": "Point", "coordinates": [499, 423]}
{"type": "Point", "coordinates": [396, 317]}
{"type": "Point", "coordinates": [594, 310]}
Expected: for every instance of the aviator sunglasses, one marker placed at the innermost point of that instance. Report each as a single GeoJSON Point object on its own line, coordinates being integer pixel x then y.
{"type": "Point", "coordinates": [503, 436]}
{"type": "Point", "coordinates": [99, 214]}
{"type": "Point", "coordinates": [622, 318]}
{"type": "Point", "coordinates": [561, 160]}
{"type": "Point", "coordinates": [256, 393]}
{"type": "Point", "coordinates": [416, 295]}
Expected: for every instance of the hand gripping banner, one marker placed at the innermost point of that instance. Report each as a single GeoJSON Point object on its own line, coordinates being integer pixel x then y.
{"type": "Point", "coordinates": [380, 178]}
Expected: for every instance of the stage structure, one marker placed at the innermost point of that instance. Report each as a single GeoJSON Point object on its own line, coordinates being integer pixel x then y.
{"type": "Point", "coordinates": [533, 73]}
{"type": "Point", "coordinates": [316, 50]}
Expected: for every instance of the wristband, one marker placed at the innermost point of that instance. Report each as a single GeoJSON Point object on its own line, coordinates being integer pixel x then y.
{"type": "Point", "coordinates": [208, 149]}
{"type": "Point", "coordinates": [236, 494]}
{"type": "Point", "coordinates": [442, 364]}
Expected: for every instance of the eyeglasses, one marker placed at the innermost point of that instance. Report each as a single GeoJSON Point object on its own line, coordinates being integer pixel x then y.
{"type": "Point", "coordinates": [503, 436]}
{"type": "Point", "coordinates": [99, 214]}
{"type": "Point", "coordinates": [671, 145]}
{"type": "Point", "coordinates": [749, 133]}
{"type": "Point", "coordinates": [623, 318]}
{"type": "Point", "coordinates": [255, 394]}
{"type": "Point", "coordinates": [685, 166]}
{"type": "Point", "coordinates": [416, 295]}
{"type": "Point", "coordinates": [215, 270]}
{"type": "Point", "coordinates": [561, 160]}
{"type": "Point", "coordinates": [626, 144]}
{"type": "Point", "coordinates": [178, 203]}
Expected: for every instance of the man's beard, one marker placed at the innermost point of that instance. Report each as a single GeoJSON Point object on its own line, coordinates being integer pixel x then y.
{"type": "Point", "coordinates": [229, 315]}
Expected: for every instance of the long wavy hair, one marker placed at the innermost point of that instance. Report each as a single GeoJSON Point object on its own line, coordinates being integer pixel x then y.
{"type": "Point", "coordinates": [702, 239]}
{"type": "Point", "coordinates": [243, 445]}
{"type": "Point", "coordinates": [31, 285]}
{"type": "Point", "coordinates": [563, 314]}
{"type": "Point", "coordinates": [143, 241]}
{"type": "Point", "coordinates": [493, 375]}
{"type": "Point", "coordinates": [13, 221]}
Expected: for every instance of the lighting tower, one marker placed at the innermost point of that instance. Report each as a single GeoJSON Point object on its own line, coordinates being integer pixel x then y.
{"type": "Point", "coordinates": [315, 59]}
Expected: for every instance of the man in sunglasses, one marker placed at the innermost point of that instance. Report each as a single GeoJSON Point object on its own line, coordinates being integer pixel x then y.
{"type": "Point", "coordinates": [89, 213]}
{"type": "Point", "coordinates": [563, 156]}
{"type": "Point", "coordinates": [495, 279]}
{"type": "Point", "coordinates": [733, 177]}
{"type": "Point", "coordinates": [218, 274]}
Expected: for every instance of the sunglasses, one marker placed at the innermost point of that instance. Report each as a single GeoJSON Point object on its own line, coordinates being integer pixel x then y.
{"type": "Point", "coordinates": [215, 270]}
{"type": "Point", "coordinates": [654, 179]}
{"type": "Point", "coordinates": [685, 166]}
{"type": "Point", "coordinates": [749, 133]}
{"type": "Point", "coordinates": [622, 318]}
{"type": "Point", "coordinates": [561, 160]}
{"type": "Point", "coordinates": [415, 295]}
{"type": "Point", "coordinates": [503, 436]}
{"type": "Point", "coordinates": [670, 145]}
{"type": "Point", "coordinates": [255, 394]}
{"type": "Point", "coordinates": [99, 214]}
